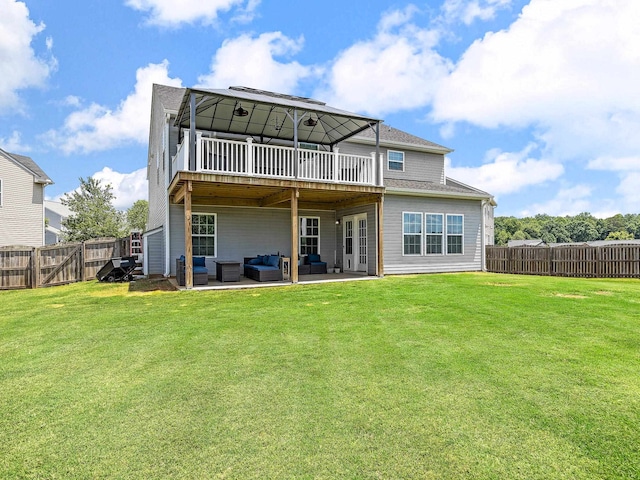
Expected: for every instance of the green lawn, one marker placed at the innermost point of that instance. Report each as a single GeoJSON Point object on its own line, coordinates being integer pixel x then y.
{"type": "Point", "coordinates": [434, 376]}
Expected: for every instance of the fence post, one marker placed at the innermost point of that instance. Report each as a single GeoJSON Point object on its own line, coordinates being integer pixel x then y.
{"type": "Point", "coordinates": [81, 263]}
{"type": "Point", "coordinates": [551, 269]}
{"type": "Point", "coordinates": [35, 267]}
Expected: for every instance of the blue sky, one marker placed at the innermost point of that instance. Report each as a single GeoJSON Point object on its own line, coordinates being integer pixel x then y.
{"type": "Point", "coordinates": [539, 99]}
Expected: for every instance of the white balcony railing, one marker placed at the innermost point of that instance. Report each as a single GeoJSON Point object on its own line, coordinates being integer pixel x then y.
{"type": "Point", "coordinates": [231, 157]}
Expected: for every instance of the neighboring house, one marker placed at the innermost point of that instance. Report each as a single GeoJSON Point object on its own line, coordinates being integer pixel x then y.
{"type": "Point", "coordinates": [238, 172]}
{"type": "Point", "coordinates": [22, 184]}
{"type": "Point", "coordinates": [54, 213]}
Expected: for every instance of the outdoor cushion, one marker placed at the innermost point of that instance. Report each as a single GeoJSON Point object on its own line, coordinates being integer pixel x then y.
{"type": "Point", "coordinates": [255, 261]}
{"type": "Point", "coordinates": [313, 257]}
{"type": "Point", "coordinates": [199, 262]}
{"type": "Point", "coordinates": [200, 270]}
{"type": "Point", "coordinates": [263, 267]}
{"type": "Point", "coordinates": [273, 261]}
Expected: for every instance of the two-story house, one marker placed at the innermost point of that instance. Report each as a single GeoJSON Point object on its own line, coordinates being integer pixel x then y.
{"type": "Point", "coordinates": [238, 172]}
{"type": "Point", "coordinates": [22, 184]}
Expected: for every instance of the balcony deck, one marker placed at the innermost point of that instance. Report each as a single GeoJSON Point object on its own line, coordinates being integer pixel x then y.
{"type": "Point", "coordinates": [247, 159]}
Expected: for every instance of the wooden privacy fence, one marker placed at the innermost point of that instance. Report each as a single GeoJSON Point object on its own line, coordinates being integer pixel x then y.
{"type": "Point", "coordinates": [28, 267]}
{"type": "Point", "coordinates": [613, 261]}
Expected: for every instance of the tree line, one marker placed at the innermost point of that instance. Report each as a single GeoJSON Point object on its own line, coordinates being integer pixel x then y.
{"type": "Point", "coordinates": [583, 227]}
{"type": "Point", "coordinates": [94, 216]}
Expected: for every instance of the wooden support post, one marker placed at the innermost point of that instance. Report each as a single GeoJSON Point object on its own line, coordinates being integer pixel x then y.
{"type": "Point", "coordinates": [295, 235]}
{"type": "Point", "coordinates": [188, 245]}
{"type": "Point", "coordinates": [380, 269]}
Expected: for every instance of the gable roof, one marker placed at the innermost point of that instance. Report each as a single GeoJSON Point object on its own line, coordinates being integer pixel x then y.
{"type": "Point", "coordinates": [28, 164]}
{"type": "Point", "coordinates": [392, 136]}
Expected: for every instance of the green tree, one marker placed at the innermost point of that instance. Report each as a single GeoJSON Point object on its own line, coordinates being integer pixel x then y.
{"type": "Point", "coordinates": [92, 213]}
{"type": "Point", "coordinates": [137, 215]}
{"type": "Point", "coordinates": [623, 235]}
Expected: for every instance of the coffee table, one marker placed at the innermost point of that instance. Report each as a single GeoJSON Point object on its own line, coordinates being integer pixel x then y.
{"type": "Point", "coordinates": [227, 271]}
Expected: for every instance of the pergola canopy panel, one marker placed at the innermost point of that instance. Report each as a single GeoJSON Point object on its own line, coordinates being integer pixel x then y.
{"type": "Point", "coordinates": [270, 115]}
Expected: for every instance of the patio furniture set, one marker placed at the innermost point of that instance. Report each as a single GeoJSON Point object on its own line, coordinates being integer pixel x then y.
{"type": "Point", "coordinates": [261, 268]}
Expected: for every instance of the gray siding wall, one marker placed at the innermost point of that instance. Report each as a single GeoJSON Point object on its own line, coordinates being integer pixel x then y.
{"type": "Point", "coordinates": [22, 211]}
{"type": "Point", "coordinates": [155, 252]}
{"type": "Point", "coordinates": [396, 262]}
{"type": "Point", "coordinates": [426, 167]}
{"type": "Point", "coordinates": [158, 160]}
{"type": "Point", "coordinates": [246, 232]}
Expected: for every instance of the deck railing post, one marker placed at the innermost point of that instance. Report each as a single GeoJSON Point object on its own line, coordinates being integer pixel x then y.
{"type": "Point", "coordinates": [199, 156]}
{"type": "Point", "coordinates": [380, 169]}
{"type": "Point", "coordinates": [250, 156]}
{"type": "Point", "coordinates": [336, 153]}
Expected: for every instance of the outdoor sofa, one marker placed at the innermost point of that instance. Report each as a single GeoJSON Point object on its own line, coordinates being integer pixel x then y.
{"type": "Point", "coordinates": [263, 268]}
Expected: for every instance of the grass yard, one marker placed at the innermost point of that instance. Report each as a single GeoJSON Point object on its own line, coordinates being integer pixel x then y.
{"type": "Point", "coordinates": [454, 376]}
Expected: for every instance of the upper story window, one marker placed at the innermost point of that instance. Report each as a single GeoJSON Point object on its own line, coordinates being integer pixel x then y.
{"type": "Point", "coordinates": [203, 234]}
{"type": "Point", "coordinates": [395, 160]}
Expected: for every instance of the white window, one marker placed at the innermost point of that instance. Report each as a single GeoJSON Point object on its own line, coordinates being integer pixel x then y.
{"type": "Point", "coordinates": [309, 235]}
{"type": "Point", "coordinates": [203, 234]}
{"type": "Point", "coordinates": [455, 231]}
{"type": "Point", "coordinates": [412, 233]}
{"type": "Point", "coordinates": [434, 233]}
{"type": "Point", "coordinates": [395, 160]}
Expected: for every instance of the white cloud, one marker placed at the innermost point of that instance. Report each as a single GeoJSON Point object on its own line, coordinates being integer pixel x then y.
{"type": "Point", "coordinates": [126, 187]}
{"type": "Point", "coordinates": [568, 201]}
{"type": "Point", "coordinates": [468, 11]}
{"type": "Point", "coordinates": [398, 69]}
{"type": "Point", "coordinates": [97, 127]}
{"type": "Point", "coordinates": [20, 67]}
{"type": "Point", "coordinates": [615, 164]}
{"type": "Point", "coordinates": [568, 68]}
{"type": "Point", "coordinates": [251, 62]}
{"type": "Point", "coordinates": [170, 13]}
{"type": "Point", "coordinates": [628, 169]}
{"type": "Point", "coordinates": [506, 172]}
{"type": "Point", "coordinates": [14, 144]}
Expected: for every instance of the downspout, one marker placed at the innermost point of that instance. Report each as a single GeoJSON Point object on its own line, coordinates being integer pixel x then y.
{"type": "Point", "coordinates": [167, 228]}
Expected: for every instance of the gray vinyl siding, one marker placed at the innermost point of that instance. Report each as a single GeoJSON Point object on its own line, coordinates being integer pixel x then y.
{"type": "Point", "coordinates": [155, 252]}
{"type": "Point", "coordinates": [22, 210]}
{"type": "Point", "coordinates": [396, 262]}
{"type": "Point", "coordinates": [158, 161]}
{"type": "Point", "coordinates": [372, 244]}
{"type": "Point", "coordinates": [247, 232]}
{"type": "Point", "coordinates": [425, 167]}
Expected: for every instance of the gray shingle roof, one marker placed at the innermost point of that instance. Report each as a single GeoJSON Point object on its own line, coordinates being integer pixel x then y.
{"type": "Point", "coordinates": [390, 134]}
{"type": "Point", "coordinates": [170, 97]}
{"type": "Point", "coordinates": [30, 165]}
{"type": "Point", "coordinates": [431, 187]}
